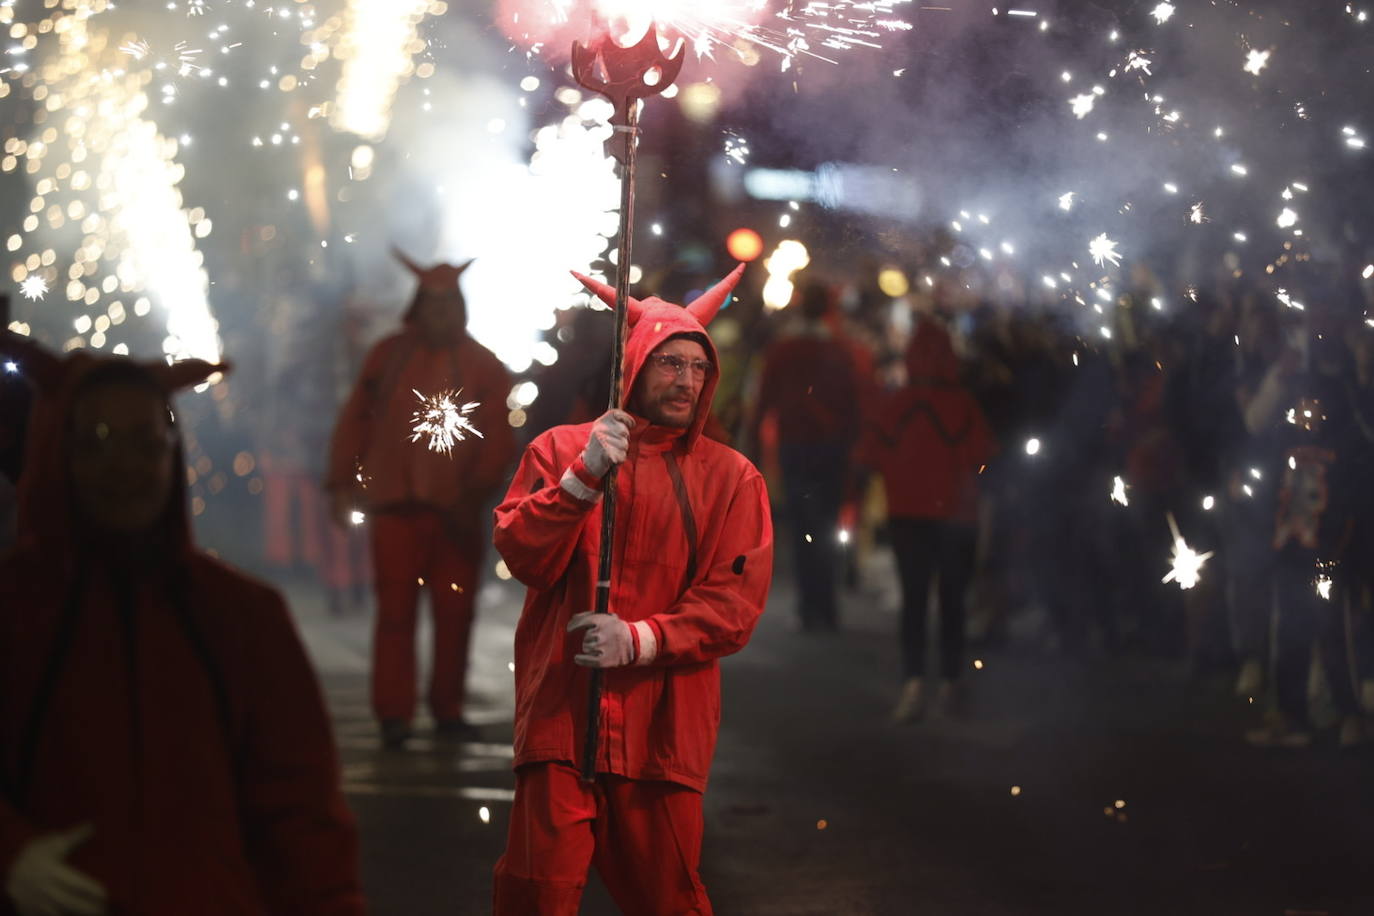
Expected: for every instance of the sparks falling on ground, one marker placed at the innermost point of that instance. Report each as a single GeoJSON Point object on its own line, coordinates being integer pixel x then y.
{"type": "Point", "coordinates": [1104, 249]}
{"type": "Point", "coordinates": [443, 421]}
{"type": "Point", "coordinates": [1186, 563]}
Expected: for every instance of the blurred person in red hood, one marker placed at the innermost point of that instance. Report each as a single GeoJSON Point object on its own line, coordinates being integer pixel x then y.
{"type": "Point", "coordinates": [929, 440]}
{"type": "Point", "coordinates": [693, 561]}
{"type": "Point", "coordinates": [164, 747]}
{"type": "Point", "coordinates": [810, 383]}
{"type": "Point", "coordinates": [424, 509]}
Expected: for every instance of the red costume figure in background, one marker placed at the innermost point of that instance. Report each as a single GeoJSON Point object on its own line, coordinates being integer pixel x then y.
{"type": "Point", "coordinates": [693, 560]}
{"type": "Point", "coordinates": [164, 748]}
{"type": "Point", "coordinates": [929, 440]}
{"type": "Point", "coordinates": [424, 508]}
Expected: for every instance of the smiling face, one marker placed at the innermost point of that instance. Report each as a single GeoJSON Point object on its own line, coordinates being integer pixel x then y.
{"type": "Point", "coordinates": [670, 382]}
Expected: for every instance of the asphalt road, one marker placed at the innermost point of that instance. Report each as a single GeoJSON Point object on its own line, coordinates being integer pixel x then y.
{"type": "Point", "coordinates": [1092, 786]}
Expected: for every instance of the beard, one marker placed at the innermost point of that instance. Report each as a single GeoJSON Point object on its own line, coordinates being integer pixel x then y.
{"type": "Point", "coordinates": [662, 412]}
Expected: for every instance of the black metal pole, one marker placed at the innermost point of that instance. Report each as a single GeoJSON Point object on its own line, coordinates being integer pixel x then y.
{"type": "Point", "coordinates": [630, 126]}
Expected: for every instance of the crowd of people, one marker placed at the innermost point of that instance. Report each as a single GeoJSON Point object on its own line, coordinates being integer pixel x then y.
{"type": "Point", "coordinates": [1012, 460]}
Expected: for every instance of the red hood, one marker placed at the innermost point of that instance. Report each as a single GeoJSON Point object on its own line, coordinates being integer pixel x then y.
{"type": "Point", "coordinates": [930, 357]}
{"type": "Point", "coordinates": [652, 321]}
{"type": "Point", "coordinates": [45, 517]}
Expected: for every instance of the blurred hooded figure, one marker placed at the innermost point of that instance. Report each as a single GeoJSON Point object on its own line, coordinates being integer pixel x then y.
{"type": "Point", "coordinates": [928, 440]}
{"type": "Point", "coordinates": [693, 562]}
{"type": "Point", "coordinates": [164, 747]}
{"type": "Point", "coordinates": [424, 508]}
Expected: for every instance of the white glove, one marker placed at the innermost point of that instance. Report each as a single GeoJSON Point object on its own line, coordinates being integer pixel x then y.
{"type": "Point", "coordinates": [607, 642]}
{"type": "Point", "coordinates": [609, 442]}
{"type": "Point", "coordinates": [41, 883]}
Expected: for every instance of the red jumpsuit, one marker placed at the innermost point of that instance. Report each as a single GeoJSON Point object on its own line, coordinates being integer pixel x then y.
{"type": "Point", "coordinates": [166, 699]}
{"type": "Point", "coordinates": [693, 561]}
{"type": "Point", "coordinates": [423, 507]}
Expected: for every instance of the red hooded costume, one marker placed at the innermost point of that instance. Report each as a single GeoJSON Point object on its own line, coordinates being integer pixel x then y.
{"type": "Point", "coordinates": [692, 566]}
{"type": "Point", "coordinates": [930, 438]}
{"type": "Point", "coordinates": [424, 507]}
{"type": "Point", "coordinates": [165, 699]}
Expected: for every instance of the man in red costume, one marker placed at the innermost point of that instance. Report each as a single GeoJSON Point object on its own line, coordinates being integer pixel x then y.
{"type": "Point", "coordinates": [424, 508]}
{"type": "Point", "coordinates": [693, 558]}
{"type": "Point", "coordinates": [164, 747]}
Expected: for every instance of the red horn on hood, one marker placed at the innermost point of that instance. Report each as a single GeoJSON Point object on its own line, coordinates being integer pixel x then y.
{"type": "Point", "coordinates": [705, 306]}
{"type": "Point", "coordinates": [184, 373]}
{"type": "Point", "coordinates": [44, 368]}
{"type": "Point", "coordinates": [410, 265]}
{"type": "Point", "coordinates": [607, 295]}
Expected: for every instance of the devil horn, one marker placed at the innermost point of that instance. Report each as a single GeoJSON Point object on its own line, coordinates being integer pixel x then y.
{"type": "Point", "coordinates": [705, 306]}
{"type": "Point", "coordinates": [607, 295]}
{"type": "Point", "coordinates": [465, 265]}
{"type": "Point", "coordinates": [410, 265]}
{"type": "Point", "coordinates": [185, 373]}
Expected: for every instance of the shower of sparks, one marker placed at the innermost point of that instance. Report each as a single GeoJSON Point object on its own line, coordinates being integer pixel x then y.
{"type": "Point", "coordinates": [1119, 492]}
{"type": "Point", "coordinates": [443, 421]}
{"type": "Point", "coordinates": [1162, 12]}
{"type": "Point", "coordinates": [739, 28]}
{"type": "Point", "coordinates": [1255, 61]}
{"type": "Point", "coordinates": [183, 60]}
{"type": "Point", "coordinates": [376, 44]}
{"type": "Point", "coordinates": [1083, 104]}
{"type": "Point", "coordinates": [1103, 250]}
{"type": "Point", "coordinates": [1186, 565]}
{"type": "Point", "coordinates": [34, 287]}
{"type": "Point", "coordinates": [1137, 60]}
{"type": "Point", "coordinates": [736, 149]}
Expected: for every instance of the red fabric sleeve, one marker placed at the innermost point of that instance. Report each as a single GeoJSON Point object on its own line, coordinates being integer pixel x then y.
{"type": "Point", "coordinates": [301, 837]}
{"type": "Point", "coordinates": [538, 523]}
{"type": "Point", "coordinates": [716, 616]}
{"type": "Point", "coordinates": [350, 430]}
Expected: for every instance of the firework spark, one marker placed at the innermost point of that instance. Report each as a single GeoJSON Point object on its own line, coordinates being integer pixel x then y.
{"type": "Point", "coordinates": [1186, 564]}
{"type": "Point", "coordinates": [1255, 61]}
{"type": "Point", "coordinates": [441, 419]}
{"type": "Point", "coordinates": [1163, 12]}
{"type": "Point", "coordinates": [376, 45]}
{"type": "Point", "coordinates": [1103, 250]}
{"type": "Point", "coordinates": [1119, 492]}
{"type": "Point", "coordinates": [34, 287]}
{"type": "Point", "coordinates": [1196, 214]}
{"type": "Point", "coordinates": [1083, 104]}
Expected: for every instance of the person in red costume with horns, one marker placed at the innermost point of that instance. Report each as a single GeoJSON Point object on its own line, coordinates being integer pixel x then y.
{"type": "Point", "coordinates": [424, 508]}
{"type": "Point", "coordinates": [693, 560]}
{"type": "Point", "coordinates": [164, 748]}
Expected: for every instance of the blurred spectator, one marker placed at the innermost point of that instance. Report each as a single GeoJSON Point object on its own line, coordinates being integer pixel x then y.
{"type": "Point", "coordinates": [164, 746]}
{"type": "Point", "coordinates": [929, 441]}
{"type": "Point", "coordinates": [425, 508]}
{"type": "Point", "coordinates": [810, 385]}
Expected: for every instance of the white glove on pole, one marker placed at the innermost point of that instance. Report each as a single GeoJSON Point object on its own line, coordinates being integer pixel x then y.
{"type": "Point", "coordinates": [41, 883]}
{"type": "Point", "coordinates": [607, 642]}
{"type": "Point", "coordinates": [609, 441]}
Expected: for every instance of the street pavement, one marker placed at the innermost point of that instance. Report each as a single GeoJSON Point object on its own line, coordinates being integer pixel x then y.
{"type": "Point", "coordinates": [1066, 786]}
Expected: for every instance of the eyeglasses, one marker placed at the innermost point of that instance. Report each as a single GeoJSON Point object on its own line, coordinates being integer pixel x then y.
{"type": "Point", "coordinates": [670, 364]}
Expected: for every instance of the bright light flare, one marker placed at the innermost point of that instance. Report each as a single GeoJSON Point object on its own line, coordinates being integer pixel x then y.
{"type": "Point", "coordinates": [789, 257]}
{"type": "Point", "coordinates": [1255, 61]}
{"type": "Point", "coordinates": [442, 419]}
{"type": "Point", "coordinates": [1186, 564]}
{"type": "Point", "coordinates": [34, 287]}
{"type": "Point", "coordinates": [1103, 250]}
{"type": "Point", "coordinates": [376, 45]}
{"type": "Point", "coordinates": [1119, 492]}
{"type": "Point", "coordinates": [1162, 12]}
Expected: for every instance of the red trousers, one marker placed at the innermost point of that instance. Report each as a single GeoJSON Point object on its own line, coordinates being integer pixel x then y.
{"type": "Point", "coordinates": [643, 837]}
{"type": "Point", "coordinates": [413, 550]}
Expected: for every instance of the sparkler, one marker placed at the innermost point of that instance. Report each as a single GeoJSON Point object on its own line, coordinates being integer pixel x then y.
{"type": "Point", "coordinates": [1104, 249]}
{"type": "Point", "coordinates": [442, 419]}
{"type": "Point", "coordinates": [1186, 563]}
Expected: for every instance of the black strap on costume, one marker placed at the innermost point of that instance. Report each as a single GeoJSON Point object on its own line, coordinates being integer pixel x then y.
{"type": "Point", "coordinates": [47, 686]}
{"type": "Point", "coordinates": [689, 522]}
{"type": "Point", "coordinates": [925, 407]}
